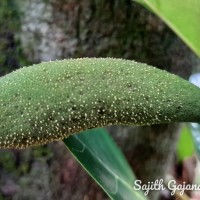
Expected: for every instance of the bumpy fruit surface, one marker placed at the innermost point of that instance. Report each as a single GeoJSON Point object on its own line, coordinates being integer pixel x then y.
{"type": "Point", "coordinates": [52, 100]}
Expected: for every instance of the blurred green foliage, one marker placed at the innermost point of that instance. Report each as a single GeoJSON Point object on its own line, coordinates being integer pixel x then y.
{"type": "Point", "coordinates": [20, 162]}
{"type": "Point", "coordinates": [7, 161]}
{"type": "Point", "coordinates": [1, 197]}
{"type": "Point", "coordinates": [185, 146]}
{"type": "Point", "coordinates": [11, 56]}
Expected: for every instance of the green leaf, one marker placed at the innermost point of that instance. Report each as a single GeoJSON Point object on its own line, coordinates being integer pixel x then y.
{"type": "Point", "coordinates": [185, 147]}
{"type": "Point", "coordinates": [195, 129]}
{"type": "Point", "coordinates": [183, 17]}
{"type": "Point", "coordinates": [103, 160]}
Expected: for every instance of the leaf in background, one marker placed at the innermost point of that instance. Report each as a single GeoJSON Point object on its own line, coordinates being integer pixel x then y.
{"type": "Point", "coordinates": [183, 17]}
{"type": "Point", "coordinates": [195, 127]}
{"type": "Point", "coordinates": [103, 160]}
{"type": "Point", "coordinates": [185, 146]}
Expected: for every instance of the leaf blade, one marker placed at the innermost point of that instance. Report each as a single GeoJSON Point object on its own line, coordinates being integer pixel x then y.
{"type": "Point", "coordinates": [185, 146]}
{"type": "Point", "coordinates": [181, 17]}
{"type": "Point", "coordinates": [98, 154]}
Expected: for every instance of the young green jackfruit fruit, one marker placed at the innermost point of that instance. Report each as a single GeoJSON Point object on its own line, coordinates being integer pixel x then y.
{"type": "Point", "coordinates": [52, 100]}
